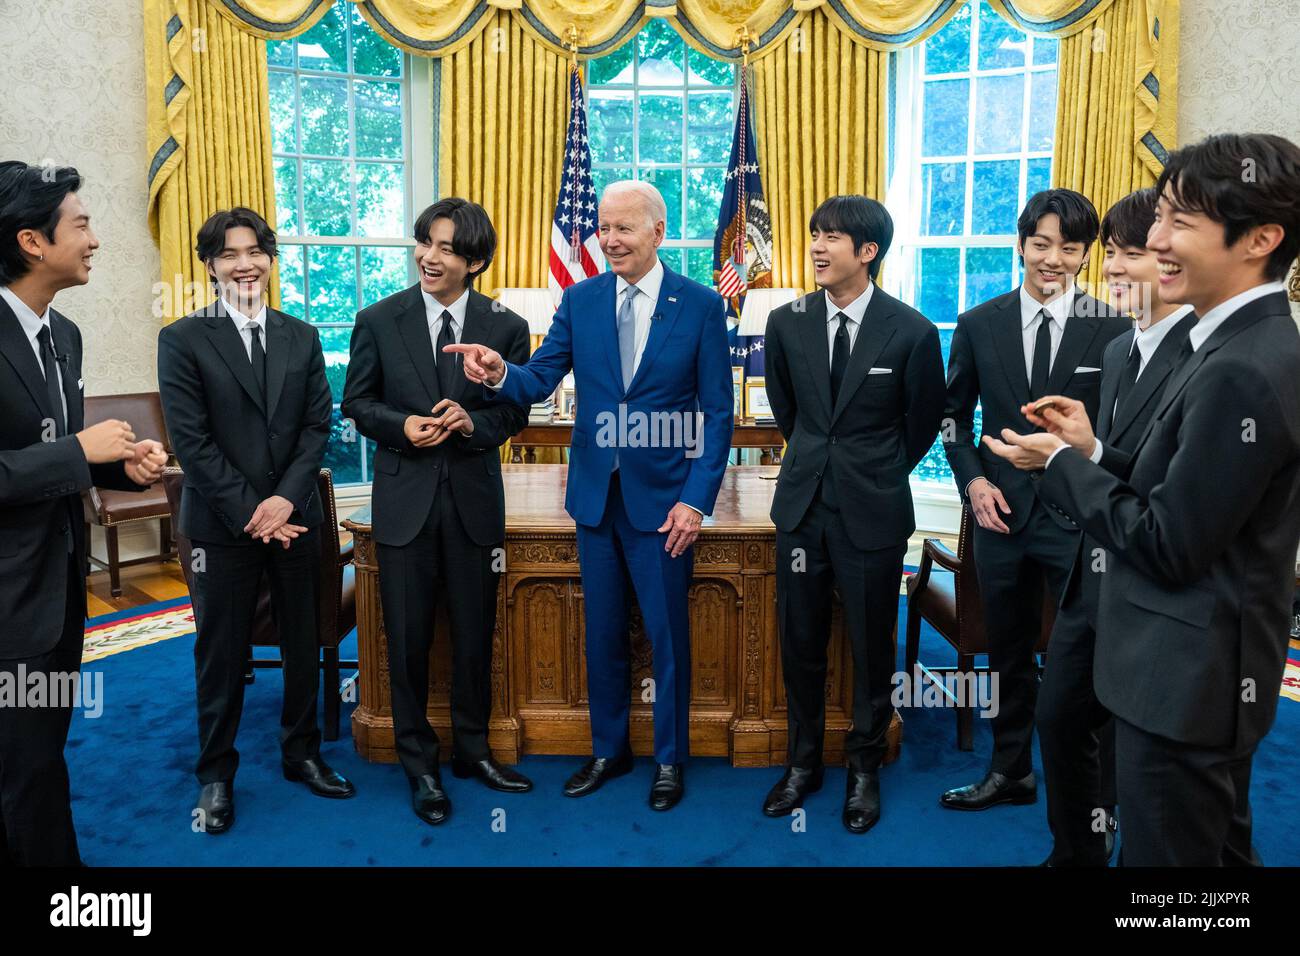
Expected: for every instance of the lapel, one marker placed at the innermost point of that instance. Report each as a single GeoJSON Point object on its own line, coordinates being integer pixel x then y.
{"type": "Point", "coordinates": [61, 332]}
{"type": "Point", "coordinates": [814, 348]}
{"type": "Point", "coordinates": [413, 324]}
{"type": "Point", "coordinates": [1080, 330]}
{"type": "Point", "coordinates": [225, 338]}
{"type": "Point", "coordinates": [874, 332]}
{"type": "Point", "coordinates": [1152, 378]}
{"type": "Point", "coordinates": [662, 320]}
{"type": "Point", "coordinates": [1110, 388]}
{"type": "Point", "coordinates": [478, 322]}
{"type": "Point", "coordinates": [606, 316]}
{"type": "Point", "coordinates": [16, 348]}
{"type": "Point", "coordinates": [278, 344]}
{"type": "Point", "coordinates": [1009, 343]}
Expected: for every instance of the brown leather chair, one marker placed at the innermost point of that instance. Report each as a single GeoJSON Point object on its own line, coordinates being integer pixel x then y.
{"type": "Point", "coordinates": [111, 509]}
{"type": "Point", "coordinates": [948, 597]}
{"type": "Point", "coordinates": [338, 613]}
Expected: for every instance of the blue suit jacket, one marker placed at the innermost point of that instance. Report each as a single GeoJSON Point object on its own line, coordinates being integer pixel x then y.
{"type": "Point", "coordinates": [685, 371]}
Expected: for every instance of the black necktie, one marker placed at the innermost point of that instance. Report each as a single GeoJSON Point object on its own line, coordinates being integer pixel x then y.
{"type": "Point", "coordinates": [839, 356]}
{"type": "Point", "coordinates": [1042, 363]}
{"type": "Point", "coordinates": [446, 360]}
{"type": "Point", "coordinates": [1128, 376]}
{"type": "Point", "coordinates": [259, 360]}
{"type": "Point", "coordinates": [52, 391]}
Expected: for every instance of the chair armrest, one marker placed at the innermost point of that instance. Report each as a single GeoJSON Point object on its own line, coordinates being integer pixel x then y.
{"type": "Point", "coordinates": [940, 554]}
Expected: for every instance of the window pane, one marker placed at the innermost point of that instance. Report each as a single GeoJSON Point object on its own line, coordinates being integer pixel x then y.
{"type": "Point", "coordinates": [669, 184]}
{"type": "Point", "coordinates": [943, 199]}
{"type": "Point", "coordinates": [660, 122]}
{"type": "Point", "coordinates": [1045, 51]}
{"type": "Point", "coordinates": [291, 298]}
{"type": "Point", "coordinates": [709, 127]}
{"type": "Point", "coordinates": [999, 106]}
{"type": "Point", "coordinates": [947, 116]}
{"type": "Point", "coordinates": [384, 270]}
{"type": "Point", "coordinates": [286, 195]}
{"type": "Point", "coordinates": [332, 271]}
{"type": "Point", "coordinates": [380, 200]}
{"type": "Point", "coordinates": [334, 345]}
{"type": "Point", "coordinates": [343, 457]}
{"type": "Point", "coordinates": [699, 265]}
{"type": "Point", "coordinates": [279, 53]}
{"type": "Point", "coordinates": [1001, 44]}
{"type": "Point", "coordinates": [703, 201]}
{"type": "Point", "coordinates": [1038, 176]}
{"type": "Point", "coordinates": [988, 273]}
{"type": "Point", "coordinates": [672, 257]}
{"type": "Point", "coordinates": [326, 198]}
{"type": "Point", "coordinates": [706, 71]}
{"type": "Point", "coordinates": [995, 198]}
{"type": "Point", "coordinates": [603, 176]}
{"type": "Point", "coordinates": [614, 67]}
{"type": "Point", "coordinates": [948, 51]}
{"type": "Point", "coordinates": [371, 53]}
{"type": "Point", "coordinates": [662, 52]}
{"type": "Point", "coordinates": [378, 119]}
{"type": "Point", "coordinates": [610, 131]}
{"type": "Point", "coordinates": [936, 281]}
{"type": "Point", "coordinates": [325, 46]}
{"type": "Point", "coordinates": [1042, 111]}
{"type": "Point", "coordinates": [284, 134]}
{"type": "Point", "coordinates": [324, 116]}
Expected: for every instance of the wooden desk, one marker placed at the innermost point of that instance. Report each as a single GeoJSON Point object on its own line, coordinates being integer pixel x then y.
{"type": "Point", "coordinates": [557, 434]}
{"type": "Point", "coordinates": [539, 684]}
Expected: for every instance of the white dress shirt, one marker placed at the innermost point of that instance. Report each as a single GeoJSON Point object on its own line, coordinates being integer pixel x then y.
{"type": "Point", "coordinates": [1212, 319]}
{"type": "Point", "coordinates": [32, 324]}
{"type": "Point", "coordinates": [243, 324]}
{"type": "Point", "coordinates": [855, 310]}
{"type": "Point", "coordinates": [433, 310]}
{"type": "Point", "coordinates": [1058, 309]}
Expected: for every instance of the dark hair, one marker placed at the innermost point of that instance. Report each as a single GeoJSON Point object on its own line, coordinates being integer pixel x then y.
{"type": "Point", "coordinates": [30, 197]}
{"type": "Point", "coordinates": [861, 219]}
{"type": "Point", "coordinates": [1128, 221]}
{"type": "Point", "coordinates": [1078, 216]}
{"type": "Point", "coordinates": [212, 234]}
{"type": "Point", "coordinates": [1240, 181]}
{"type": "Point", "coordinates": [473, 236]}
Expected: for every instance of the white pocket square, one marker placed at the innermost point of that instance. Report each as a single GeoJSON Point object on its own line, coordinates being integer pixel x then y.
{"type": "Point", "coordinates": [881, 371]}
{"type": "Point", "coordinates": [81, 384]}
{"type": "Point", "coordinates": [1085, 368]}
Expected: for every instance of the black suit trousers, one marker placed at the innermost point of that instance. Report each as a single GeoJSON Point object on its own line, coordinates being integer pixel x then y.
{"type": "Point", "coordinates": [35, 804]}
{"type": "Point", "coordinates": [226, 586]}
{"type": "Point", "coordinates": [441, 560]}
{"type": "Point", "coordinates": [810, 560]}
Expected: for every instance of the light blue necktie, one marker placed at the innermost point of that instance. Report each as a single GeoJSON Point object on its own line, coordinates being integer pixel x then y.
{"type": "Point", "coordinates": [627, 335]}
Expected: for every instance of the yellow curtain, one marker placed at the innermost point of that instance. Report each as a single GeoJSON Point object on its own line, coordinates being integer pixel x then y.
{"type": "Point", "coordinates": [209, 136]}
{"type": "Point", "coordinates": [1116, 114]}
{"type": "Point", "coordinates": [820, 122]}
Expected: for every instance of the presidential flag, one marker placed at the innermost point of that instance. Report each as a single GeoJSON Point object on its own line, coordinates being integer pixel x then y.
{"type": "Point", "coordinates": [742, 246]}
{"type": "Point", "coordinates": [575, 250]}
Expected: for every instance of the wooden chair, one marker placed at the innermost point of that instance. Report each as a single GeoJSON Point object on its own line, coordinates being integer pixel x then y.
{"type": "Point", "coordinates": [948, 597]}
{"type": "Point", "coordinates": [338, 614]}
{"type": "Point", "coordinates": [111, 509]}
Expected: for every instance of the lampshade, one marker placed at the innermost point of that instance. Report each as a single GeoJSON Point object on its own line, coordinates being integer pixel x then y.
{"type": "Point", "coordinates": [759, 304]}
{"type": "Point", "coordinates": [534, 305]}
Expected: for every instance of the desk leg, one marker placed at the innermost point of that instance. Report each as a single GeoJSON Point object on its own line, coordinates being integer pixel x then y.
{"type": "Point", "coordinates": [530, 456]}
{"type": "Point", "coordinates": [515, 457]}
{"type": "Point", "coordinates": [775, 455]}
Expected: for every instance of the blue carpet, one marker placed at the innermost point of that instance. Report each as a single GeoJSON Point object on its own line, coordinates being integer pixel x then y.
{"type": "Point", "coordinates": [133, 791]}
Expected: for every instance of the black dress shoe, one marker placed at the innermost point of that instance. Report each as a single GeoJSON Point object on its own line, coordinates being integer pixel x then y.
{"type": "Point", "coordinates": [788, 793]}
{"type": "Point", "coordinates": [595, 772]}
{"type": "Point", "coordinates": [995, 788]}
{"type": "Point", "coordinates": [216, 807]}
{"type": "Point", "coordinates": [491, 773]}
{"type": "Point", "coordinates": [861, 800]}
{"type": "Point", "coordinates": [319, 777]}
{"type": "Point", "coordinates": [429, 799]}
{"type": "Point", "coordinates": [668, 788]}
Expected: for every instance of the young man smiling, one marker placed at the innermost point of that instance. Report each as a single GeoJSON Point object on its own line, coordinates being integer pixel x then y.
{"type": "Point", "coordinates": [1045, 337]}
{"type": "Point", "coordinates": [1193, 613]}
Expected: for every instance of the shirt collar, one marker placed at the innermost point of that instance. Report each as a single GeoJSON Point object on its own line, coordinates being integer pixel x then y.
{"type": "Point", "coordinates": [1149, 339]}
{"type": "Point", "coordinates": [433, 309]}
{"type": "Point", "coordinates": [1211, 320]}
{"type": "Point", "coordinates": [242, 320]}
{"type": "Point", "coordinates": [29, 320]}
{"type": "Point", "coordinates": [1058, 308]}
{"type": "Point", "coordinates": [649, 284]}
{"type": "Point", "coordinates": [855, 310]}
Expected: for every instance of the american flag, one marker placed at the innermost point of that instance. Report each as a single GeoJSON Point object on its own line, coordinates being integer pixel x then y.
{"type": "Point", "coordinates": [575, 250]}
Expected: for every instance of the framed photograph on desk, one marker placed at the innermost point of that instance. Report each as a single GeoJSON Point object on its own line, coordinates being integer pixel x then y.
{"type": "Point", "coordinates": [738, 391]}
{"type": "Point", "coordinates": [757, 407]}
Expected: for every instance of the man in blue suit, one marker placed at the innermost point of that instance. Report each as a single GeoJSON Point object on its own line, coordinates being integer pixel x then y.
{"type": "Point", "coordinates": [648, 349]}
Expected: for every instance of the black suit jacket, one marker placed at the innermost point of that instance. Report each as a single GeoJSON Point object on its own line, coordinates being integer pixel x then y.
{"type": "Point", "coordinates": [392, 375]}
{"type": "Point", "coordinates": [881, 426]}
{"type": "Point", "coordinates": [1194, 611]}
{"type": "Point", "coordinates": [235, 452]}
{"type": "Point", "coordinates": [40, 489]}
{"type": "Point", "coordinates": [986, 365]}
